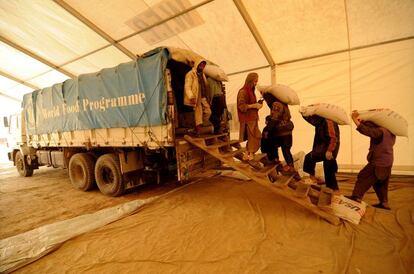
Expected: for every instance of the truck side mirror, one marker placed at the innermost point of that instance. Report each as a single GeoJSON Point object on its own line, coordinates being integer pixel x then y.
{"type": "Point", "coordinates": [5, 121]}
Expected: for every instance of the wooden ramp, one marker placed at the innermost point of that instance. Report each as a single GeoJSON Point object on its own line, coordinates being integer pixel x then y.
{"type": "Point", "coordinates": [228, 152]}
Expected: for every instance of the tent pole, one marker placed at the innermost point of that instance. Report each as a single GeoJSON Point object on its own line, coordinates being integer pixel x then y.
{"type": "Point", "coordinates": [273, 75]}
{"type": "Point", "coordinates": [345, 50]}
{"type": "Point", "coordinates": [11, 77]}
{"type": "Point", "coordinates": [35, 56]}
{"type": "Point", "coordinates": [9, 97]}
{"type": "Point", "coordinates": [249, 22]}
{"type": "Point", "coordinates": [349, 82]}
{"type": "Point", "coordinates": [95, 28]}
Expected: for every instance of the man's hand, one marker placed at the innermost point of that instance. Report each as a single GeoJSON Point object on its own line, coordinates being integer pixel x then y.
{"type": "Point", "coordinates": [355, 117]}
{"type": "Point", "coordinates": [256, 106]}
{"type": "Point", "coordinates": [328, 155]}
{"type": "Point", "coordinates": [355, 114]}
{"type": "Point", "coordinates": [259, 105]}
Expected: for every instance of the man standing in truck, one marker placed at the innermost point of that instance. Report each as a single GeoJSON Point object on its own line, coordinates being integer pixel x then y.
{"type": "Point", "coordinates": [195, 93]}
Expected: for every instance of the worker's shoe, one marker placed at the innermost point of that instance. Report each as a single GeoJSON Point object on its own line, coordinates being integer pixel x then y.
{"type": "Point", "coordinates": [317, 180]}
{"type": "Point", "coordinates": [296, 176]}
{"type": "Point", "coordinates": [194, 132]}
{"type": "Point", "coordinates": [267, 162]}
{"type": "Point", "coordinates": [255, 164]}
{"type": "Point", "coordinates": [337, 192]}
{"type": "Point", "coordinates": [246, 157]}
{"type": "Point", "coordinates": [279, 168]}
{"type": "Point", "coordinates": [272, 176]}
{"type": "Point", "coordinates": [381, 205]}
{"type": "Point", "coordinates": [288, 170]}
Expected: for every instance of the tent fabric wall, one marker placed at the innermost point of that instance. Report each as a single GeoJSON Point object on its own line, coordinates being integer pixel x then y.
{"type": "Point", "coordinates": [356, 54]}
{"type": "Point", "coordinates": [383, 77]}
{"type": "Point", "coordinates": [374, 77]}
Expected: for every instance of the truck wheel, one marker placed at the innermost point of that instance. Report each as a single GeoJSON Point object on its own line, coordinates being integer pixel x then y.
{"type": "Point", "coordinates": [108, 175]}
{"type": "Point", "coordinates": [23, 168]}
{"type": "Point", "coordinates": [81, 173]}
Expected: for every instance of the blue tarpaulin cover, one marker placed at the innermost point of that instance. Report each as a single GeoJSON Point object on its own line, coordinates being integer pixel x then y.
{"type": "Point", "coordinates": [129, 95]}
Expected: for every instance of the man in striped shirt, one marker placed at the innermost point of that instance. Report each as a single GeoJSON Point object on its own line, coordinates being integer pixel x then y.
{"type": "Point", "coordinates": [325, 148]}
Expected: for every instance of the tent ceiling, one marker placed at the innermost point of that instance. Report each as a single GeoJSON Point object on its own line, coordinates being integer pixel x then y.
{"type": "Point", "coordinates": [128, 16]}
{"type": "Point", "coordinates": [47, 30]}
{"type": "Point", "coordinates": [56, 31]}
{"type": "Point", "coordinates": [13, 60]}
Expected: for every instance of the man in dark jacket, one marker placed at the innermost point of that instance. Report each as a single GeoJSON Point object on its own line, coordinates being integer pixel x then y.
{"type": "Point", "coordinates": [325, 148]}
{"type": "Point", "coordinates": [380, 159]}
{"type": "Point", "coordinates": [278, 133]}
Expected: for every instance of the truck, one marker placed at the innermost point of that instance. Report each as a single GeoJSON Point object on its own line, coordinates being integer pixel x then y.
{"type": "Point", "coordinates": [120, 127]}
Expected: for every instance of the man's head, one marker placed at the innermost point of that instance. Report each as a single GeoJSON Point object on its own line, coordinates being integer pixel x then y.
{"type": "Point", "coordinates": [251, 79]}
{"type": "Point", "coordinates": [201, 66]}
{"type": "Point", "coordinates": [269, 99]}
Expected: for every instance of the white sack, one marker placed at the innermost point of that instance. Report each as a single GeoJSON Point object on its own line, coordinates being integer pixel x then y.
{"type": "Point", "coordinates": [216, 73]}
{"type": "Point", "coordinates": [328, 111]}
{"type": "Point", "coordinates": [386, 118]}
{"type": "Point", "coordinates": [284, 93]}
{"type": "Point", "coordinates": [185, 56]}
{"type": "Point", "coordinates": [348, 209]}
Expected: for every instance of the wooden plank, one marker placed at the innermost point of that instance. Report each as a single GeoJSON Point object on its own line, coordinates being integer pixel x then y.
{"type": "Point", "coordinates": [208, 137]}
{"type": "Point", "coordinates": [234, 152]}
{"type": "Point", "coordinates": [192, 162]}
{"type": "Point", "coordinates": [219, 145]}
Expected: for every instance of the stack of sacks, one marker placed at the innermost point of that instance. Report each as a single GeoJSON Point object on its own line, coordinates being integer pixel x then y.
{"type": "Point", "coordinates": [328, 111]}
{"type": "Point", "coordinates": [386, 118]}
{"type": "Point", "coordinates": [190, 58]}
{"type": "Point", "coordinates": [284, 93]}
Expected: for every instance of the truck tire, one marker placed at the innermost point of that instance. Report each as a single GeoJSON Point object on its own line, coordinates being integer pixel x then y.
{"type": "Point", "coordinates": [23, 168]}
{"type": "Point", "coordinates": [108, 175]}
{"type": "Point", "coordinates": [81, 171]}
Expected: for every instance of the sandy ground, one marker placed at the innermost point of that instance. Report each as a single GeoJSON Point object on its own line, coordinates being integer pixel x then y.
{"type": "Point", "coordinates": [217, 225]}
{"type": "Point", "coordinates": [48, 196]}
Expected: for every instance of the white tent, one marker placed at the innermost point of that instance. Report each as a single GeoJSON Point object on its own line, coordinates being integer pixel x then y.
{"type": "Point", "coordinates": [355, 54]}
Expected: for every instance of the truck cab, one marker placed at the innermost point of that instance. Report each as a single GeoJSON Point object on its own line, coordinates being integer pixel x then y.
{"type": "Point", "coordinates": [13, 127]}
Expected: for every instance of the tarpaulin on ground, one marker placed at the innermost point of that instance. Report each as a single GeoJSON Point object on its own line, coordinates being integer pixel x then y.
{"type": "Point", "coordinates": [225, 225]}
{"type": "Point", "coordinates": [128, 95]}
